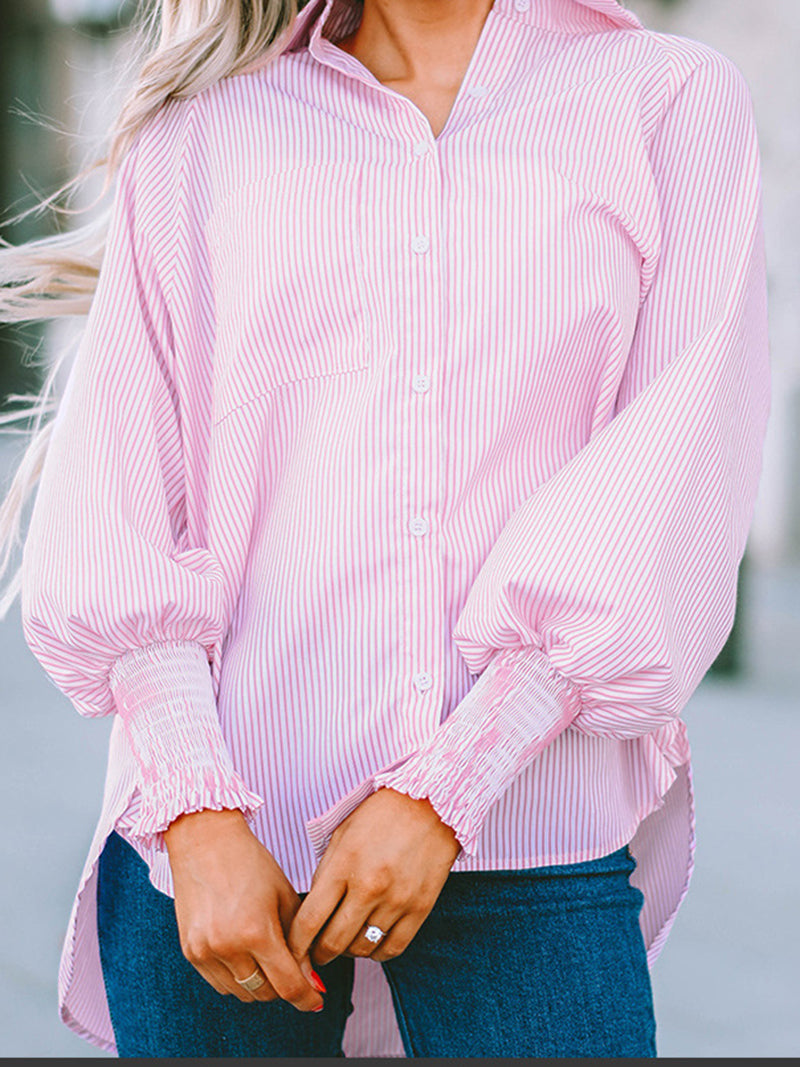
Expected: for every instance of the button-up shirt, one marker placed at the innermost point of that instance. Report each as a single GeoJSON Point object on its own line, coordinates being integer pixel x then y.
{"type": "Point", "coordinates": [392, 459]}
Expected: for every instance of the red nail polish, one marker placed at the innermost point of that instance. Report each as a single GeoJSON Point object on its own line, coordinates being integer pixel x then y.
{"type": "Point", "coordinates": [317, 982]}
{"type": "Point", "coordinates": [319, 1008]}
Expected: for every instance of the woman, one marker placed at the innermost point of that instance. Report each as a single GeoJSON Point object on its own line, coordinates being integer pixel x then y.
{"type": "Point", "coordinates": [394, 509]}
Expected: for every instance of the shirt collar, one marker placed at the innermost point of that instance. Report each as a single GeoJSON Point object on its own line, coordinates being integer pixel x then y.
{"type": "Point", "coordinates": [613, 10]}
{"type": "Point", "coordinates": [305, 27]}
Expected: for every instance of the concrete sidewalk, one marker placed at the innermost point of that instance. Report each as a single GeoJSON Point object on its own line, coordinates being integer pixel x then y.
{"type": "Point", "coordinates": [726, 983]}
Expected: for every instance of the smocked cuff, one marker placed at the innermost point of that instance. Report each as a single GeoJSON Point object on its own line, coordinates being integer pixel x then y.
{"type": "Point", "coordinates": [517, 707]}
{"type": "Point", "coordinates": [165, 698]}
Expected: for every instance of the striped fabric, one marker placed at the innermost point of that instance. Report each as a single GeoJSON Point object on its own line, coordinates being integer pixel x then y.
{"type": "Point", "coordinates": [425, 462]}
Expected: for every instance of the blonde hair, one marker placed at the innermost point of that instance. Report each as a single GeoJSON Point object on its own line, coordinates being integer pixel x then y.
{"type": "Point", "coordinates": [180, 48]}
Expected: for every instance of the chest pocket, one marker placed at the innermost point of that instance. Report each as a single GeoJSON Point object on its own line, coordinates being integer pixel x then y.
{"type": "Point", "coordinates": [289, 282]}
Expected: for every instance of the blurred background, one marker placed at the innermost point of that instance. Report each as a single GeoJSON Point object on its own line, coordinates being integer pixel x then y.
{"type": "Point", "coordinates": [726, 983]}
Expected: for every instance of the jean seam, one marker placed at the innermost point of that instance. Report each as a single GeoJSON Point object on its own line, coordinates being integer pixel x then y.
{"type": "Point", "coordinates": [402, 1022]}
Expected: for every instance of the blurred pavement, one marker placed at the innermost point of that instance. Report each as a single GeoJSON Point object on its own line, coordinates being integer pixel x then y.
{"type": "Point", "coordinates": [726, 983]}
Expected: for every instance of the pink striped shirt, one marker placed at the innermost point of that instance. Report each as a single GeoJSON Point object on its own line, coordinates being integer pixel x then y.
{"type": "Point", "coordinates": [426, 462]}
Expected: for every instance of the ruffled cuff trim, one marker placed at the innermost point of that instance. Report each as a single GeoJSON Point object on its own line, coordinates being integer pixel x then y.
{"type": "Point", "coordinates": [159, 807]}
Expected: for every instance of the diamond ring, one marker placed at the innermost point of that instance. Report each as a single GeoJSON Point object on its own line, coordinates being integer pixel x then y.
{"type": "Point", "coordinates": [374, 934]}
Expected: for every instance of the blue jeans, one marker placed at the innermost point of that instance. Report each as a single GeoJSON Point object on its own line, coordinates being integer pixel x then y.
{"type": "Point", "coordinates": [545, 961]}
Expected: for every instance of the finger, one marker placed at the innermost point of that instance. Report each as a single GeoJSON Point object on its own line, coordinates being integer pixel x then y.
{"type": "Point", "coordinates": [287, 909]}
{"type": "Point", "coordinates": [311, 976]}
{"type": "Point", "coordinates": [214, 971]}
{"type": "Point", "coordinates": [398, 938]}
{"type": "Point", "coordinates": [218, 976]}
{"type": "Point", "coordinates": [215, 980]}
{"type": "Point", "coordinates": [314, 911]}
{"type": "Point", "coordinates": [284, 974]}
{"type": "Point", "coordinates": [244, 966]}
{"type": "Point", "coordinates": [384, 921]}
{"type": "Point", "coordinates": [341, 930]}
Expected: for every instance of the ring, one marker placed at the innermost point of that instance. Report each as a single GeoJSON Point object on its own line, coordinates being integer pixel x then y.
{"type": "Point", "coordinates": [255, 981]}
{"type": "Point", "coordinates": [374, 934]}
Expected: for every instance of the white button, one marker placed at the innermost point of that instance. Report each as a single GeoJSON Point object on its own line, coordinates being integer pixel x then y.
{"type": "Point", "coordinates": [522, 5]}
{"type": "Point", "coordinates": [421, 243]}
{"type": "Point", "coordinates": [418, 526]}
{"type": "Point", "coordinates": [420, 148]}
{"type": "Point", "coordinates": [423, 681]}
{"type": "Point", "coordinates": [421, 383]}
{"type": "Point", "coordinates": [478, 90]}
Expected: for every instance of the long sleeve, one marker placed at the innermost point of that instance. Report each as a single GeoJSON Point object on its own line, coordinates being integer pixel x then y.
{"type": "Point", "coordinates": [612, 588]}
{"type": "Point", "coordinates": [121, 603]}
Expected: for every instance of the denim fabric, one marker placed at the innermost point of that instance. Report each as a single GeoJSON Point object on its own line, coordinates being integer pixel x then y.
{"type": "Point", "coordinates": [546, 961]}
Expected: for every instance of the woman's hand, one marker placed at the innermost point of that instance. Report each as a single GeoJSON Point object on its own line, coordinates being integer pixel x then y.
{"type": "Point", "coordinates": [234, 906]}
{"type": "Point", "coordinates": [385, 865]}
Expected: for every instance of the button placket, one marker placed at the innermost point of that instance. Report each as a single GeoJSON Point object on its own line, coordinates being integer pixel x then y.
{"type": "Point", "coordinates": [424, 591]}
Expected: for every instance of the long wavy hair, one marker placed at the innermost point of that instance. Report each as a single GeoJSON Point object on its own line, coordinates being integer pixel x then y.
{"type": "Point", "coordinates": [179, 48]}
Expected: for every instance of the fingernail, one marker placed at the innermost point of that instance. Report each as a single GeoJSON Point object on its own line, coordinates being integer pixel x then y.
{"type": "Point", "coordinates": [317, 982]}
{"type": "Point", "coordinates": [319, 1008]}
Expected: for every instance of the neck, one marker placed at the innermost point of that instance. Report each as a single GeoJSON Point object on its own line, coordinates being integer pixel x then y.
{"type": "Point", "coordinates": [417, 41]}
